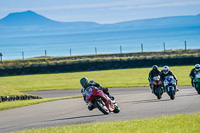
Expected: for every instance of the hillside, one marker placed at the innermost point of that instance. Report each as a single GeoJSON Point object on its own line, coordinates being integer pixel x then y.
{"type": "Point", "coordinates": [30, 22]}
{"type": "Point", "coordinates": [160, 23]}
{"type": "Point", "coordinates": [26, 19]}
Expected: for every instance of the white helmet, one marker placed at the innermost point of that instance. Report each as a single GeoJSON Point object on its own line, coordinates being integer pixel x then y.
{"type": "Point", "coordinates": [165, 69]}
{"type": "Point", "coordinates": [197, 67]}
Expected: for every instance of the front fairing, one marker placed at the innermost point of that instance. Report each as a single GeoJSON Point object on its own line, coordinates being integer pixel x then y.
{"type": "Point", "coordinates": [93, 93]}
{"type": "Point", "coordinates": [169, 80]}
{"type": "Point", "coordinates": [156, 81]}
{"type": "Point", "coordinates": [197, 78]}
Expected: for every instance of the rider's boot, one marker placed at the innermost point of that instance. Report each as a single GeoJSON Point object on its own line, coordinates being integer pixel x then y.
{"type": "Point", "coordinates": [164, 90]}
{"type": "Point", "coordinates": [151, 86]}
{"type": "Point", "coordinates": [105, 90]}
{"type": "Point", "coordinates": [111, 97]}
{"type": "Point", "coordinates": [176, 86]}
{"type": "Point", "coordinates": [152, 90]}
{"type": "Point", "coordinates": [163, 87]}
{"type": "Point", "coordinates": [192, 83]}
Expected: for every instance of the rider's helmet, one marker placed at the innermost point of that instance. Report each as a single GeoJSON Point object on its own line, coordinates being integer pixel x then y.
{"type": "Point", "coordinates": [197, 67]}
{"type": "Point", "coordinates": [84, 82]}
{"type": "Point", "coordinates": [165, 69]}
{"type": "Point", "coordinates": [155, 67]}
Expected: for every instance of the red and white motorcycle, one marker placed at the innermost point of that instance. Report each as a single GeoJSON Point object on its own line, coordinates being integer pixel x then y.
{"type": "Point", "coordinates": [98, 99]}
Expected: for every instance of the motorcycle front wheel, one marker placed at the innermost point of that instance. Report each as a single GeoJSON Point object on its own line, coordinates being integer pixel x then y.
{"type": "Point", "coordinates": [101, 106]}
{"type": "Point", "coordinates": [158, 93]}
{"type": "Point", "coordinates": [171, 94]}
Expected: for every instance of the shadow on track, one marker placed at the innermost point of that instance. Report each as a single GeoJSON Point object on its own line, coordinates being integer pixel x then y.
{"type": "Point", "coordinates": [75, 117]}
{"type": "Point", "coordinates": [160, 100]}
{"type": "Point", "coordinates": [147, 101]}
{"type": "Point", "coordinates": [187, 95]}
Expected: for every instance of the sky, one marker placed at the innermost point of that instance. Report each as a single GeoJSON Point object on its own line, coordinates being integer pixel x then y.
{"type": "Point", "coordinates": [102, 11]}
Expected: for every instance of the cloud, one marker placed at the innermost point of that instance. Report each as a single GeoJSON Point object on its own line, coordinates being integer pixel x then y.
{"type": "Point", "coordinates": [118, 5]}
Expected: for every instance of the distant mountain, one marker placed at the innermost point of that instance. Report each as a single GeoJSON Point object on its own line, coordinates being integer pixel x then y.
{"type": "Point", "coordinates": [30, 22]}
{"type": "Point", "coordinates": [160, 23]}
{"type": "Point", "coordinates": [26, 19]}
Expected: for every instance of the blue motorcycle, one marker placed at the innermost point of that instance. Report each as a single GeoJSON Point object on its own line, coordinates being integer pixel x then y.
{"type": "Point", "coordinates": [170, 86]}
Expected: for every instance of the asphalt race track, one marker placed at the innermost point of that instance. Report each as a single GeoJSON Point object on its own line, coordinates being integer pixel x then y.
{"type": "Point", "coordinates": [135, 103]}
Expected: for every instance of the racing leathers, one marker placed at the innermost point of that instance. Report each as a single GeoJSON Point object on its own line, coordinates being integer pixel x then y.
{"type": "Point", "coordinates": [153, 73]}
{"type": "Point", "coordinates": [192, 75]}
{"type": "Point", "coordinates": [163, 75]}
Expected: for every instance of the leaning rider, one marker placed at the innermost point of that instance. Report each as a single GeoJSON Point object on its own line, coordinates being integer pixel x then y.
{"type": "Point", "coordinates": [153, 73]}
{"type": "Point", "coordinates": [193, 72]}
{"type": "Point", "coordinates": [85, 83]}
{"type": "Point", "coordinates": [166, 72]}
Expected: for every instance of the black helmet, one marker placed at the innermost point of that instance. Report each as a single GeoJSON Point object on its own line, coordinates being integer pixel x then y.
{"type": "Point", "coordinates": [155, 67]}
{"type": "Point", "coordinates": [84, 82]}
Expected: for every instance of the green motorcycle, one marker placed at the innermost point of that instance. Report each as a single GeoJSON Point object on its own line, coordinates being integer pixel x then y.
{"type": "Point", "coordinates": [196, 82]}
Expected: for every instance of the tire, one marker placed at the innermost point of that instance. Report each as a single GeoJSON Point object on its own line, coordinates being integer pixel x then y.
{"type": "Point", "coordinates": [101, 106]}
{"type": "Point", "coordinates": [117, 109]}
{"type": "Point", "coordinates": [171, 94]}
{"type": "Point", "coordinates": [198, 89]}
{"type": "Point", "coordinates": [159, 93]}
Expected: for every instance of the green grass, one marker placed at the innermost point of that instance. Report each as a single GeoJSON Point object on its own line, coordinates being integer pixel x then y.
{"type": "Point", "coordinates": [107, 78]}
{"type": "Point", "coordinates": [16, 104]}
{"type": "Point", "coordinates": [166, 124]}
{"type": "Point", "coordinates": [5, 91]}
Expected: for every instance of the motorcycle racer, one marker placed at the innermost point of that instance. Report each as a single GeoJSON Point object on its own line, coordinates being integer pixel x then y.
{"type": "Point", "coordinates": [166, 72]}
{"type": "Point", "coordinates": [86, 83]}
{"type": "Point", "coordinates": [154, 72]}
{"type": "Point", "coordinates": [193, 72]}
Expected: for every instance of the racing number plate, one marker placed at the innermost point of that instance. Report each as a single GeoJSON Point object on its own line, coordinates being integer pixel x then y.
{"type": "Point", "coordinates": [90, 94]}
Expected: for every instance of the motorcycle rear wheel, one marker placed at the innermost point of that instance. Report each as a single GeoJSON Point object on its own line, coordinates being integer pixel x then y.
{"type": "Point", "coordinates": [117, 109]}
{"type": "Point", "coordinates": [101, 106]}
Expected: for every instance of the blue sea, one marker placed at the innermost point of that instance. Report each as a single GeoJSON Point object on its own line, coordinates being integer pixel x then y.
{"type": "Point", "coordinates": [104, 43]}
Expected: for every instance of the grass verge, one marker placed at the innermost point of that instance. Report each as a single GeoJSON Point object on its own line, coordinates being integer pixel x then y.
{"type": "Point", "coordinates": [16, 104]}
{"type": "Point", "coordinates": [166, 124]}
{"type": "Point", "coordinates": [107, 78]}
{"type": "Point", "coordinates": [5, 91]}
